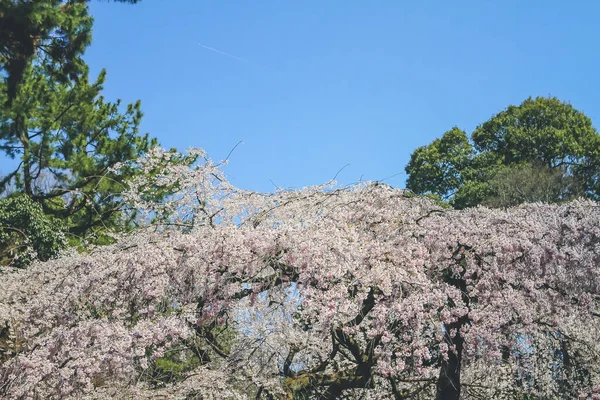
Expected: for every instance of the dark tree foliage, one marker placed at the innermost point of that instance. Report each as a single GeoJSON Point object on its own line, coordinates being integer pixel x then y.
{"type": "Point", "coordinates": [27, 233]}
{"type": "Point", "coordinates": [522, 149]}
{"type": "Point", "coordinates": [56, 30]}
{"type": "Point", "coordinates": [529, 183]}
{"type": "Point", "coordinates": [66, 137]}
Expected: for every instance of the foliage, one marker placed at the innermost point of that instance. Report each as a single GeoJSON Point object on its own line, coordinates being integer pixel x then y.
{"type": "Point", "coordinates": [361, 292]}
{"type": "Point", "coordinates": [179, 362]}
{"type": "Point", "coordinates": [525, 183]}
{"type": "Point", "coordinates": [56, 30]}
{"type": "Point", "coordinates": [173, 368]}
{"type": "Point", "coordinates": [67, 137]}
{"type": "Point", "coordinates": [540, 134]}
{"type": "Point", "coordinates": [27, 233]}
{"type": "Point", "coordinates": [438, 168]}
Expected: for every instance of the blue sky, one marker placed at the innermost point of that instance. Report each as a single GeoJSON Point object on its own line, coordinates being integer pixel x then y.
{"type": "Point", "coordinates": [311, 86]}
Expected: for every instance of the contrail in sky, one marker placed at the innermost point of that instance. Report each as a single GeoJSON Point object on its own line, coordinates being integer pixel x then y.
{"type": "Point", "coordinates": [224, 54]}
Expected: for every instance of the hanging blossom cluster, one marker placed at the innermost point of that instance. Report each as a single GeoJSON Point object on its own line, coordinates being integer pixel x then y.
{"type": "Point", "coordinates": [356, 292]}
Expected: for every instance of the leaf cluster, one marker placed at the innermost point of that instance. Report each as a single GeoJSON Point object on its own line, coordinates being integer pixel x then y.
{"type": "Point", "coordinates": [26, 232]}
{"type": "Point", "coordinates": [542, 150]}
{"type": "Point", "coordinates": [56, 31]}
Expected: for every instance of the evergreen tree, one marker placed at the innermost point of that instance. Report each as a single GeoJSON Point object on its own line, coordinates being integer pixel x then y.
{"type": "Point", "coordinates": [56, 30]}
{"type": "Point", "coordinates": [67, 138]}
{"type": "Point", "coordinates": [542, 150]}
{"type": "Point", "coordinates": [26, 233]}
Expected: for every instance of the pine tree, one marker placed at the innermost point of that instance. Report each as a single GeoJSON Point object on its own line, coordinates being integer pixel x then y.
{"type": "Point", "coordinates": [67, 138]}
{"type": "Point", "coordinates": [57, 30]}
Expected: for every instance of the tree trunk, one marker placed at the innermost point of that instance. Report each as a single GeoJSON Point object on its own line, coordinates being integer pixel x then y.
{"type": "Point", "coordinates": [21, 131]}
{"type": "Point", "coordinates": [448, 385]}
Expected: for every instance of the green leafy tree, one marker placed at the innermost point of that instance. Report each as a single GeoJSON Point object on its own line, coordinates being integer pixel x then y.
{"type": "Point", "coordinates": [542, 139]}
{"type": "Point", "coordinates": [27, 233]}
{"type": "Point", "coordinates": [56, 30]}
{"type": "Point", "coordinates": [439, 168]}
{"type": "Point", "coordinates": [529, 183]}
{"type": "Point", "coordinates": [67, 138]}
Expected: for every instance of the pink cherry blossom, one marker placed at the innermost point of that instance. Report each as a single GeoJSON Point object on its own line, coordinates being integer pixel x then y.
{"type": "Point", "coordinates": [361, 291]}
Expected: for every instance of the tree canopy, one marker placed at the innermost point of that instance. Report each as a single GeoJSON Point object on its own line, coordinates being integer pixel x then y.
{"type": "Point", "coordinates": [67, 138]}
{"type": "Point", "coordinates": [57, 31]}
{"type": "Point", "coordinates": [322, 293]}
{"type": "Point", "coordinates": [27, 233]}
{"type": "Point", "coordinates": [542, 137]}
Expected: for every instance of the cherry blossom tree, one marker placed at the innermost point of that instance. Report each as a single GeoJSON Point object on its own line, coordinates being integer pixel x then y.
{"type": "Point", "coordinates": [320, 293]}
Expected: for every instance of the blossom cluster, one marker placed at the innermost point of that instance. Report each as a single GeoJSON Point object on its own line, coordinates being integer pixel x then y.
{"type": "Point", "coordinates": [363, 290]}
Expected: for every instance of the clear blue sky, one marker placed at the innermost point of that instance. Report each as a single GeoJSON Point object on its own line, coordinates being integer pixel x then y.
{"type": "Point", "coordinates": [311, 86]}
